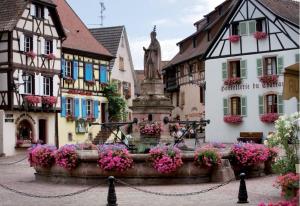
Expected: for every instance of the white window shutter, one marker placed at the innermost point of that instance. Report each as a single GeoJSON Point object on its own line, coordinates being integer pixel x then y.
{"type": "Point", "coordinates": [42, 46]}
{"type": "Point", "coordinates": [54, 44]}
{"type": "Point", "coordinates": [21, 40]}
{"type": "Point", "coordinates": [41, 85]}
{"type": "Point", "coordinates": [32, 10]}
{"type": "Point", "coordinates": [37, 84]}
{"type": "Point", "coordinates": [34, 44]}
{"type": "Point", "coordinates": [46, 13]}
{"type": "Point", "coordinates": [21, 83]}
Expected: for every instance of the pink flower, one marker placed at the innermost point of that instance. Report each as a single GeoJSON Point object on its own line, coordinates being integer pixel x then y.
{"type": "Point", "coordinates": [269, 79]}
{"type": "Point", "coordinates": [260, 35]}
{"type": "Point", "coordinates": [50, 100]}
{"type": "Point", "coordinates": [207, 156]}
{"type": "Point", "coordinates": [41, 155]}
{"type": "Point", "coordinates": [31, 99]}
{"type": "Point", "coordinates": [234, 38]}
{"type": "Point", "coordinates": [67, 157]}
{"type": "Point", "coordinates": [233, 119]}
{"type": "Point", "coordinates": [232, 81]}
{"type": "Point", "coordinates": [269, 117]}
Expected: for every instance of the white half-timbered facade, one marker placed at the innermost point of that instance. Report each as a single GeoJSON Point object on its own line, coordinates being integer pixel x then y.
{"type": "Point", "coordinates": [245, 66]}
{"type": "Point", "coordinates": [30, 52]}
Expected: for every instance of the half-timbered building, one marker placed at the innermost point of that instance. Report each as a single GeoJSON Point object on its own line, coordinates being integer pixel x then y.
{"type": "Point", "coordinates": [184, 75]}
{"type": "Point", "coordinates": [245, 66]}
{"type": "Point", "coordinates": [121, 68]}
{"type": "Point", "coordinates": [30, 51]}
{"type": "Point", "coordinates": [84, 71]}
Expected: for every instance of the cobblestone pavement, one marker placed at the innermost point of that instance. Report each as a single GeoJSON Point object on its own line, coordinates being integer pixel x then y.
{"type": "Point", "coordinates": [21, 177]}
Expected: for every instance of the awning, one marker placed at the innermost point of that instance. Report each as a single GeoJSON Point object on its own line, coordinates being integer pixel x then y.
{"type": "Point", "coordinates": [291, 82]}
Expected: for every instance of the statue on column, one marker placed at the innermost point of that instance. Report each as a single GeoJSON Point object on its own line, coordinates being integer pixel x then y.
{"type": "Point", "coordinates": [152, 58]}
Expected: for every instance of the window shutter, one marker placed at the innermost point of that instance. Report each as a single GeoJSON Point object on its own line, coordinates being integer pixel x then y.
{"type": "Point", "coordinates": [88, 72]}
{"type": "Point", "coordinates": [103, 74]}
{"type": "Point", "coordinates": [261, 104]}
{"type": "Point", "coordinates": [76, 108]}
{"type": "Point", "coordinates": [279, 65]}
{"type": "Point", "coordinates": [34, 39]}
{"type": "Point", "coordinates": [243, 28]}
{"type": "Point", "coordinates": [21, 40]}
{"type": "Point", "coordinates": [96, 109]}
{"type": "Point", "coordinates": [54, 46]}
{"type": "Point", "coordinates": [252, 27]}
{"type": "Point", "coordinates": [225, 106]}
{"type": "Point", "coordinates": [244, 106]}
{"type": "Point", "coordinates": [83, 108]}
{"type": "Point", "coordinates": [243, 69]}
{"type": "Point", "coordinates": [32, 10]}
{"type": "Point", "coordinates": [51, 86]}
{"type": "Point", "coordinates": [36, 79]}
{"type": "Point", "coordinates": [42, 45]}
{"type": "Point", "coordinates": [75, 70]}
{"type": "Point", "coordinates": [63, 67]}
{"type": "Point", "coordinates": [280, 105]}
{"type": "Point", "coordinates": [224, 71]}
{"type": "Point", "coordinates": [63, 107]}
{"type": "Point", "coordinates": [297, 58]}
{"type": "Point", "coordinates": [259, 67]}
{"type": "Point", "coordinates": [21, 87]}
{"type": "Point", "coordinates": [46, 13]}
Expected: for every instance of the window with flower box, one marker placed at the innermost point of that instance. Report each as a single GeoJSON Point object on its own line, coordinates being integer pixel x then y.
{"type": "Point", "coordinates": [245, 28]}
{"type": "Point", "coordinates": [48, 47]}
{"type": "Point", "coordinates": [234, 109]}
{"type": "Point", "coordinates": [28, 83]}
{"type": "Point", "coordinates": [235, 103]}
{"type": "Point", "coordinates": [234, 71]}
{"type": "Point", "coordinates": [269, 68]}
{"type": "Point", "coordinates": [69, 106]}
{"type": "Point", "coordinates": [89, 107]}
{"type": "Point", "coordinates": [47, 86]}
{"type": "Point", "coordinates": [68, 70]}
{"type": "Point", "coordinates": [270, 107]}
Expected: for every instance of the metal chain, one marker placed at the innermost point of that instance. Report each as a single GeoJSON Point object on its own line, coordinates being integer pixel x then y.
{"type": "Point", "coordinates": [15, 162]}
{"type": "Point", "coordinates": [174, 194]}
{"type": "Point", "coordinates": [47, 196]}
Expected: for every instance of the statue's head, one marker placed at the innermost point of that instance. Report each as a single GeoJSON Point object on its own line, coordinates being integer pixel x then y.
{"type": "Point", "coordinates": [153, 33]}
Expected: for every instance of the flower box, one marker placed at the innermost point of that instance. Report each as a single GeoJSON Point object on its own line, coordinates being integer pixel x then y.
{"type": "Point", "coordinates": [31, 99]}
{"type": "Point", "coordinates": [233, 81]}
{"type": "Point", "coordinates": [260, 35]}
{"type": "Point", "coordinates": [70, 118]}
{"type": "Point", "coordinates": [49, 100]}
{"type": "Point", "coordinates": [269, 79]}
{"type": "Point", "coordinates": [234, 38]}
{"type": "Point", "coordinates": [69, 80]}
{"type": "Point", "coordinates": [233, 119]}
{"type": "Point", "coordinates": [90, 83]}
{"type": "Point", "coordinates": [90, 118]}
{"type": "Point", "coordinates": [50, 56]}
{"type": "Point", "coordinates": [269, 117]}
{"type": "Point", "coordinates": [30, 54]}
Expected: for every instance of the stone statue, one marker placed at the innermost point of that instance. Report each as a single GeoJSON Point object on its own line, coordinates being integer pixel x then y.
{"type": "Point", "coordinates": [152, 58]}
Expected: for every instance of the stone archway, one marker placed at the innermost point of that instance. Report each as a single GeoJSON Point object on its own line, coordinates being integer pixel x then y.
{"type": "Point", "coordinates": [25, 131]}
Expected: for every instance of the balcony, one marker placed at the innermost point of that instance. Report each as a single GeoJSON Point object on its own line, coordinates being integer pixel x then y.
{"type": "Point", "coordinates": [172, 84]}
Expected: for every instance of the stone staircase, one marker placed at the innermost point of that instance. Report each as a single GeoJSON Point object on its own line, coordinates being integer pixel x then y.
{"type": "Point", "coordinates": [102, 136]}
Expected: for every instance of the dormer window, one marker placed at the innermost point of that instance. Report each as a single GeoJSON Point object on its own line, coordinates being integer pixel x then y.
{"type": "Point", "coordinates": [259, 25]}
{"type": "Point", "coordinates": [37, 11]}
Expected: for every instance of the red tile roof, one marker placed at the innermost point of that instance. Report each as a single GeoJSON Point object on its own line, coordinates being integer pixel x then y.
{"type": "Point", "coordinates": [78, 35]}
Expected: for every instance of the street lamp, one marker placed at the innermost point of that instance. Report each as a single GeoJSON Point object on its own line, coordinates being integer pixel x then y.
{"type": "Point", "coordinates": [200, 83]}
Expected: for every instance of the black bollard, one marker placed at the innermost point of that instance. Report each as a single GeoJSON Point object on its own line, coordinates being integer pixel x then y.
{"type": "Point", "coordinates": [243, 195]}
{"type": "Point", "coordinates": [111, 196]}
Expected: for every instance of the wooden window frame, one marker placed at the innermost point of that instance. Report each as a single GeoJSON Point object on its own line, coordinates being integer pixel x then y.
{"type": "Point", "coordinates": [234, 70]}
{"type": "Point", "coordinates": [28, 84]}
{"type": "Point", "coordinates": [45, 85]}
{"type": "Point", "coordinates": [28, 43]}
{"type": "Point", "coordinates": [68, 68]}
{"type": "Point", "coordinates": [48, 46]}
{"type": "Point", "coordinates": [273, 71]}
{"type": "Point", "coordinates": [235, 106]}
{"type": "Point", "coordinates": [69, 106]}
{"type": "Point", "coordinates": [271, 102]}
{"type": "Point", "coordinates": [89, 107]}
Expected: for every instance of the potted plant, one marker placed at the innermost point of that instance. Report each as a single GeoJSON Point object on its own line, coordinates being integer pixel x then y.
{"type": "Point", "coordinates": [269, 117]}
{"type": "Point", "coordinates": [233, 119]}
{"type": "Point", "coordinates": [269, 79]}
{"type": "Point", "coordinates": [32, 100]}
{"type": "Point", "coordinates": [233, 81]}
{"type": "Point", "coordinates": [69, 80]}
{"type": "Point", "coordinates": [67, 157]}
{"type": "Point", "coordinates": [260, 35]}
{"type": "Point", "coordinates": [289, 184]}
{"type": "Point", "coordinates": [50, 56]}
{"type": "Point", "coordinates": [234, 38]}
{"type": "Point", "coordinates": [49, 100]}
{"type": "Point", "coordinates": [41, 156]}
{"type": "Point", "coordinates": [90, 83]}
{"type": "Point", "coordinates": [150, 129]}
{"type": "Point", "coordinates": [30, 54]}
{"type": "Point", "coordinates": [207, 157]}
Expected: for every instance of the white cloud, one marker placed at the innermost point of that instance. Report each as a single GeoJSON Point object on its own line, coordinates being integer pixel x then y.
{"type": "Point", "coordinates": [168, 49]}
{"type": "Point", "coordinates": [164, 22]}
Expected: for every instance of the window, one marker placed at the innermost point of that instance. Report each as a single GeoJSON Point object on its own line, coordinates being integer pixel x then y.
{"type": "Point", "coordinates": [37, 11]}
{"type": "Point", "coordinates": [48, 46]}
{"type": "Point", "coordinates": [68, 68]}
{"type": "Point", "coordinates": [47, 86]}
{"type": "Point", "coordinates": [235, 29]}
{"type": "Point", "coordinates": [271, 103]}
{"type": "Point", "coordinates": [121, 63]}
{"type": "Point", "coordinates": [202, 94]}
{"type": "Point", "coordinates": [234, 69]}
{"type": "Point", "coordinates": [248, 27]}
{"type": "Point", "coordinates": [270, 66]}
{"type": "Point", "coordinates": [28, 84]}
{"type": "Point", "coordinates": [89, 107]}
{"type": "Point", "coordinates": [259, 25]}
{"type": "Point", "coordinates": [69, 106]}
{"type": "Point", "coordinates": [235, 105]}
{"type": "Point", "coordinates": [28, 43]}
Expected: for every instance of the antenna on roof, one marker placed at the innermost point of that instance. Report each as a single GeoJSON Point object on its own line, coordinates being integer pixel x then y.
{"type": "Point", "coordinates": [101, 12]}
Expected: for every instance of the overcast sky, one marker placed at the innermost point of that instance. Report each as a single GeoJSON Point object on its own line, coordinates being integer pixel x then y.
{"type": "Point", "coordinates": [174, 20]}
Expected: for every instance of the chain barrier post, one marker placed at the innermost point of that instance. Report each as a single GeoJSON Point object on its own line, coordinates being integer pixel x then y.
{"type": "Point", "coordinates": [111, 196]}
{"type": "Point", "coordinates": [243, 195]}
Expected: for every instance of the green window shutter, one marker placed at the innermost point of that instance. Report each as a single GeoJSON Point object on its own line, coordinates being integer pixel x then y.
{"type": "Point", "coordinates": [243, 28]}
{"type": "Point", "coordinates": [243, 69]}
{"type": "Point", "coordinates": [297, 58]}
{"type": "Point", "coordinates": [261, 105]}
{"type": "Point", "coordinates": [252, 27]}
{"type": "Point", "coordinates": [259, 67]}
{"type": "Point", "coordinates": [225, 106]}
{"type": "Point", "coordinates": [280, 106]}
{"type": "Point", "coordinates": [224, 71]}
{"type": "Point", "coordinates": [279, 65]}
{"type": "Point", "coordinates": [244, 106]}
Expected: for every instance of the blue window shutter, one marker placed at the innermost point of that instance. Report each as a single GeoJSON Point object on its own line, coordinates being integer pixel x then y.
{"type": "Point", "coordinates": [75, 70]}
{"type": "Point", "coordinates": [83, 107]}
{"type": "Point", "coordinates": [63, 67]}
{"type": "Point", "coordinates": [96, 109]}
{"type": "Point", "coordinates": [89, 72]}
{"type": "Point", "coordinates": [63, 107]}
{"type": "Point", "coordinates": [76, 105]}
{"type": "Point", "coordinates": [103, 74]}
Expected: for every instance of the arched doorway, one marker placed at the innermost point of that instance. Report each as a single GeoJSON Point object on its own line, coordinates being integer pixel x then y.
{"type": "Point", "coordinates": [25, 131]}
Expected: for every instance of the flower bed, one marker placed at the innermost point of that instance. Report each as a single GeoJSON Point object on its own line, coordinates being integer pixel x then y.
{"type": "Point", "coordinates": [165, 159]}
{"type": "Point", "coordinates": [42, 156]}
{"type": "Point", "coordinates": [31, 99]}
{"type": "Point", "coordinates": [234, 38]}
{"type": "Point", "coordinates": [233, 119]}
{"type": "Point", "coordinates": [49, 100]}
{"type": "Point", "coordinates": [207, 157]}
{"type": "Point", "coordinates": [289, 184]}
{"type": "Point", "coordinates": [114, 158]}
{"type": "Point", "coordinates": [269, 79]}
{"type": "Point", "coordinates": [260, 35]}
{"type": "Point", "coordinates": [269, 117]}
{"type": "Point", "coordinates": [67, 157]}
{"type": "Point", "coordinates": [233, 81]}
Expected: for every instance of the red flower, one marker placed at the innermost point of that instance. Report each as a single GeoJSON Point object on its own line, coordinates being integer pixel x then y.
{"type": "Point", "coordinates": [233, 119]}
{"type": "Point", "coordinates": [32, 99]}
{"type": "Point", "coordinates": [70, 117]}
{"type": "Point", "coordinates": [90, 118]}
{"type": "Point", "coordinates": [269, 117]}
{"type": "Point", "coordinates": [30, 54]}
{"type": "Point", "coordinates": [260, 35]}
{"type": "Point", "coordinates": [50, 100]}
{"type": "Point", "coordinates": [234, 38]}
{"type": "Point", "coordinates": [50, 56]}
{"type": "Point", "coordinates": [232, 81]}
{"type": "Point", "coordinates": [269, 79]}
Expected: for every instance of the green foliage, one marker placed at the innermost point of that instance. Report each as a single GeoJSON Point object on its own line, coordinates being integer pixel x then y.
{"type": "Point", "coordinates": [116, 104]}
{"type": "Point", "coordinates": [283, 166]}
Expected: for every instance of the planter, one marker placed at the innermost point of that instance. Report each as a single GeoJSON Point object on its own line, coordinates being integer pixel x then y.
{"type": "Point", "coordinates": [250, 171]}
{"type": "Point", "coordinates": [268, 166]}
{"type": "Point", "coordinates": [260, 35]}
{"type": "Point", "coordinates": [233, 119]}
{"type": "Point", "coordinates": [69, 80]}
{"type": "Point", "coordinates": [90, 83]}
{"type": "Point", "coordinates": [50, 56]}
{"type": "Point", "coordinates": [269, 79]}
{"type": "Point", "coordinates": [30, 54]}
{"type": "Point", "coordinates": [234, 38]}
{"type": "Point", "coordinates": [269, 118]}
{"type": "Point", "coordinates": [233, 81]}
{"type": "Point", "coordinates": [32, 100]}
